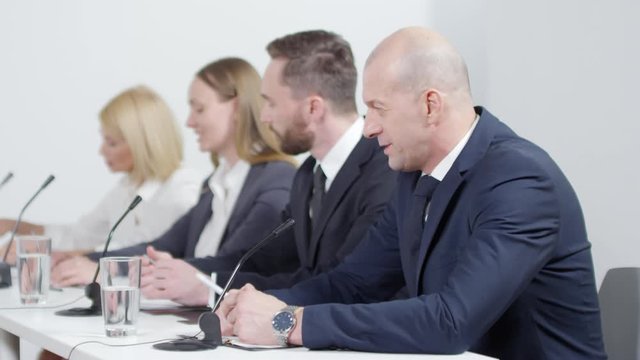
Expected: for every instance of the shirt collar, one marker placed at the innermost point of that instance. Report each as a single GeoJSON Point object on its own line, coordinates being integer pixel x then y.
{"type": "Point", "coordinates": [226, 177]}
{"type": "Point", "coordinates": [337, 156]}
{"type": "Point", "coordinates": [441, 170]}
{"type": "Point", "coordinates": [146, 190]}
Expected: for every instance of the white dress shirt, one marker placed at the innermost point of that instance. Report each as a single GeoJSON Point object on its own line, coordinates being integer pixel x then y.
{"type": "Point", "coordinates": [443, 167]}
{"type": "Point", "coordinates": [225, 184]}
{"type": "Point", "coordinates": [337, 156]}
{"type": "Point", "coordinates": [162, 204]}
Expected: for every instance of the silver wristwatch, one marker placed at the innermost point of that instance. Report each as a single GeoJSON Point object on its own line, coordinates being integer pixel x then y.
{"type": "Point", "coordinates": [283, 323]}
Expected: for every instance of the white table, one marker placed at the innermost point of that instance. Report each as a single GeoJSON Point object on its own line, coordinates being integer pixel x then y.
{"type": "Point", "coordinates": [60, 334]}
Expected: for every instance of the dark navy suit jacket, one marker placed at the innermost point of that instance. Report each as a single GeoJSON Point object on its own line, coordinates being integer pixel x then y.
{"type": "Point", "coordinates": [257, 211]}
{"type": "Point", "coordinates": [503, 267]}
{"type": "Point", "coordinates": [354, 201]}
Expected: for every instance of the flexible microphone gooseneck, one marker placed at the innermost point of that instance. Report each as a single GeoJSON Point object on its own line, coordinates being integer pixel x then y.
{"type": "Point", "coordinates": [209, 322]}
{"type": "Point", "coordinates": [6, 179]}
{"type": "Point", "coordinates": [92, 291]}
{"type": "Point", "coordinates": [5, 269]}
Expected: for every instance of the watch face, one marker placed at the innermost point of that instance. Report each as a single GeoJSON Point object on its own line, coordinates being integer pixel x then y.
{"type": "Point", "coordinates": [283, 321]}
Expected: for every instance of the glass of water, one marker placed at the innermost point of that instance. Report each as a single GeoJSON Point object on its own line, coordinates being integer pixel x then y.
{"type": "Point", "coordinates": [33, 263]}
{"type": "Point", "coordinates": [120, 287]}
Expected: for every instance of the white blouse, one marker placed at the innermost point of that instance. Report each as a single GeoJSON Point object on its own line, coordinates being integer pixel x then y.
{"type": "Point", "coordinates": [162, 204]}
{"type": "Point", "coordinates": [225, 184]}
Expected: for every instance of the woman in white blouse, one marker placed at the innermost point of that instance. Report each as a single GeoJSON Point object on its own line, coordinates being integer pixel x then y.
{"type": "Point", "coordinates": [142, 140]}
{"type": "Point", "coordinates": [240, 203]}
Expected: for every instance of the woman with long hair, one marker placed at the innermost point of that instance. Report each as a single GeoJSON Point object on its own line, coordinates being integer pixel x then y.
{"type": "Point", "coordinates": [240, 203]}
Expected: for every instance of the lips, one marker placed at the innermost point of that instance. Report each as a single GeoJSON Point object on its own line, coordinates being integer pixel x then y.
{"type": "Point", "coordinates": [385, 148]}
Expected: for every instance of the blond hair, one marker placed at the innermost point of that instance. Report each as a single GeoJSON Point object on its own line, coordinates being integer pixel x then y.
{"type": "Point", "coordinates": [235, 78]}
{"type": "Point", "coordinates": [149, 128]}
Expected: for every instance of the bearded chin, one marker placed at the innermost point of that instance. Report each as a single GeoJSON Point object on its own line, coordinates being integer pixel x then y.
{"type": "Point", "coordinates": [294, 144]}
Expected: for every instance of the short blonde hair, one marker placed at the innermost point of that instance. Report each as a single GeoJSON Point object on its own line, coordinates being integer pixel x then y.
{"type": "Point", "coordinates": [234, 78]}
{"type": "Point", "coordinates": [149, 128]}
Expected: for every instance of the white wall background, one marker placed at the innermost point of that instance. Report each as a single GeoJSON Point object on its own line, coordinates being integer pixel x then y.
{"type": "Point", "coordinates": [561, 73]}
{"type": "Point", "coordinates": [61, 61]}
{"type": "Point", "coordinates": [565, 74]}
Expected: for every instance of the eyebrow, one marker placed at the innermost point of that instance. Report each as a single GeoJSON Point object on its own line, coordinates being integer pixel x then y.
{"type": "Point", "coordinates": [195, 102]}
{"type": "Point", "coordinates": [111, 138]}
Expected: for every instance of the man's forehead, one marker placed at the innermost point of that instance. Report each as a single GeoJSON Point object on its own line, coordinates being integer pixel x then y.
{"type": "Point", "coordinates": [375, 78]}
{"type": "Point", "coordinates": [276, 65]}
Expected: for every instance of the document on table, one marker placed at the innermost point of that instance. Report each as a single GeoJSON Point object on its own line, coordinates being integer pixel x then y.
{"type": "Point", "coordinates": [233, 341]}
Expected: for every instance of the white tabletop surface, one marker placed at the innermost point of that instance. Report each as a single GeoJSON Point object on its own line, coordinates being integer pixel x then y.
{"type": "Point", "coordinates": [60, 334]}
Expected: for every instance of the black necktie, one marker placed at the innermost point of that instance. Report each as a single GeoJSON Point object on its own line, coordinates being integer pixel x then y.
{"type": "Point", "coordinates": [319, 180]}
{"type": "Point", "coordinates": [414, 224]}
{"type": "Point", "coordinates": [425, 186]}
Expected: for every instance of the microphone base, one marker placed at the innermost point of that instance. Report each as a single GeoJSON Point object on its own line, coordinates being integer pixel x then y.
{"type": "Point", "coordinates": [5, 275]}
{"type": "Point", "coordinates": [210, 326]}
{"type": "Point", "coordinates": [92, 291]}
{"type": "Point", "coordinates": [185, 345]}
{"type": "Point", "coordinates": [79, 312]}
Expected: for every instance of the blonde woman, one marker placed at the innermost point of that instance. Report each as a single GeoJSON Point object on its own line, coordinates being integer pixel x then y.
{"type": "Point", "coordinates": [241, 202]}
{"type": "Point", "coordinates": [141, 140]}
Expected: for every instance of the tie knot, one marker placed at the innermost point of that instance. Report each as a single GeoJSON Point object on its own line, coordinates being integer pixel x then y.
{"type": "Point", "coordinates": [425, 186]}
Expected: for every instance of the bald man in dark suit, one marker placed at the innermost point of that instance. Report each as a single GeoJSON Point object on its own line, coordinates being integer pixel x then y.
{"type": "Point", "coordinates": [484, 230]}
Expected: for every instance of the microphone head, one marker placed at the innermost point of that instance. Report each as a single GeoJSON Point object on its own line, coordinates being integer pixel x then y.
{"type": "Point", "coordinates": [48, 181]}
{"type": "Point", "coordinates": [284, 226]}
{"type": "Point", "coordinates": [6, 178]}
{"type": "Point", "coordinates": [135, 202]}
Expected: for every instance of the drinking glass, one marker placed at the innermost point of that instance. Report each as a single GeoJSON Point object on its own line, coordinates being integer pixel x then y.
{"type": "Point", "coordinates": [34, 268]}
{"type": "Point", "coordinates": [120, 289]}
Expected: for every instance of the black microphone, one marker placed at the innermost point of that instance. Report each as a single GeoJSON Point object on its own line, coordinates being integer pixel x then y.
{"type": "Point", "coordinates": [92, 291]}
{"type": "Point", "coordinates": [209, 322]}
{"type": "Point", "coordinates": [5, 269]}
{"type": "Point", "coordinates": [6, 179]}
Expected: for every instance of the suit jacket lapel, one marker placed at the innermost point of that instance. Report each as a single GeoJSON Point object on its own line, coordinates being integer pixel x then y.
{"type": "Point", "coordinates": [244, 200]}
{"type": "Point", "coordinates": [347, 175]}
{"type": "Point", "coordinates": [299, 203]}
{"type": "Point", "coordinates": [200, 219]}
{"type": "Point", "coordinates": [437, 207]}
{"type": "Point", "coordinates": [473, 151]}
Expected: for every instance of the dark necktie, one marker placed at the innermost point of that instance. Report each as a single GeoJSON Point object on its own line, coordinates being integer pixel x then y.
{"type": "Point", "coordinates": [317, 195]}
{"type": "Point", "coordinates": [414, 223]}
{"type": "Point", "coordinates": [425, 186]}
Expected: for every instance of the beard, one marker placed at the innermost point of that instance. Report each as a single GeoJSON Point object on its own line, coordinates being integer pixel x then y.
{"type": "Point", "coordinates": [295, 139]}
{"type": "Point", "coordinates": [294, 143]}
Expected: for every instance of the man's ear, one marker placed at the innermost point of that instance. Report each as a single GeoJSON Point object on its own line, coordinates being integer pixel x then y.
{"type": "Point", "coordinates": [315, 107]}
{"type": "Point", "coordinates": [431, 103]}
